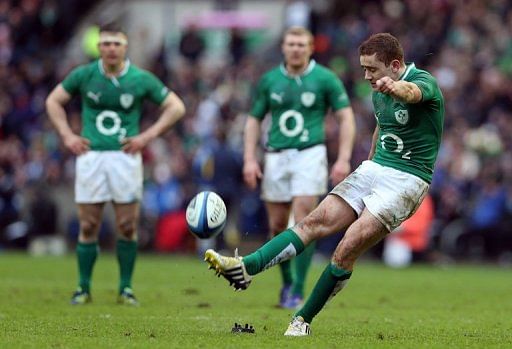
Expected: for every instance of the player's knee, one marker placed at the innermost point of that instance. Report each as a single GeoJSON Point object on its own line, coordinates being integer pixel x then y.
{"type": "Point", "coordinates": [89, 227]}
{"type": "Point", "coordinates": [127, 228]}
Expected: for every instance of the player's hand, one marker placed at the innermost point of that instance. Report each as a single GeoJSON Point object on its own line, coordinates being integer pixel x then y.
{"type": "Point", "coordinates": [133, 145]}
{"type": "Point", "coordinates": [76, 144]}
{"type": "Point", "coordinates": [339, 171]}
{"type": "Point", "coordinates": [385, 85]}
{"type": "Point", "coordinates": [252, 173]}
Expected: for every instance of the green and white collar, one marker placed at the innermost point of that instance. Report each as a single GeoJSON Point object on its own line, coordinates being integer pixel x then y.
{"type": "Point", "coordinates": [410, 66]}
{"type": "Point", "coordinates": [308, 70]}
{"type": "Point", "coordinates": [114, 78]}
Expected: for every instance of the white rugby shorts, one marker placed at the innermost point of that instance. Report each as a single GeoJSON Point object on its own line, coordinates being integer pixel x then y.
{"type": "Point", "coordinates": [103, 176]}
{"type": "Point", "coordinates": [292, 172]}
{"type": "Point", "coordinates": [390, 195]}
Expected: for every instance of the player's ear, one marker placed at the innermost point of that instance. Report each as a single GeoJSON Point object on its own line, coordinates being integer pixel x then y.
{"type": "Point", "coordinates": [395, 65]}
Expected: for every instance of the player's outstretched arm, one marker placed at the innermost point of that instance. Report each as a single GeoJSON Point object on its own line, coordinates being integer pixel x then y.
{"type": "Point", "coordinates": [55, 103]}
{"type": "Point", "coordinates": [346, 136]}
{"type": "Point", "coordinates": [252, 171]}
{"type": "Point", "coordinates": [172, 108]}
{"type": "Point", "coordinates": [402, 91]}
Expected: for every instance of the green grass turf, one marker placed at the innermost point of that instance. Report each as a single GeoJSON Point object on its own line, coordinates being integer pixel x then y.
{"type": "Point", "coordinates": [185, 306]}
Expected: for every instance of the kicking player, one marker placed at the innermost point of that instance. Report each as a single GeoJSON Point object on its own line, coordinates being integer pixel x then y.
{"type": "Point", "coordinates": [378, 196]}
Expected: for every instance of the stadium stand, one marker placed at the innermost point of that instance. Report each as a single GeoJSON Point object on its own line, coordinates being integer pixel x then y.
{"type": "Point", "coordinates": [468, 48]}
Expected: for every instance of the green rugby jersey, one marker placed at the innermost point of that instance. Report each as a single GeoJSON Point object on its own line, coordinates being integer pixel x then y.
{"type": "Point", "coordinates": [111, 107]}
{"type": "Point", "coordinates": [410, 134]}
{"type": "Point", "coordinates": [298, 105]}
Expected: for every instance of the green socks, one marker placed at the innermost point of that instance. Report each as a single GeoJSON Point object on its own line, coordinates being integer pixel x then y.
{"type": "Point", "coordinates": [332, 280]}
{"type": "Point", "coordinates": [86, 256]}
{"type": "Point", "coordinates": [301, 265]}
{"type": "Point", "coordinates": [281, 248]}
{"type": "Point", "coordinates": [286, 272]}
{"type": "Point", "coordinates": [87, 253]}
{"type": "Point", "coordinates": [126, 253]}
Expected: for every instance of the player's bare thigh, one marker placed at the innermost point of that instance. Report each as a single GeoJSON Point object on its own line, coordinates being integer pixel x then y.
{"type": "Point", "coordinates": [90, 216]}
{"type": "Point", "coordinates": [127, 219]}
{"type": "Point", "coordinates": [331, 216]}
{"type": "Point", "coordinates": [365, 232]}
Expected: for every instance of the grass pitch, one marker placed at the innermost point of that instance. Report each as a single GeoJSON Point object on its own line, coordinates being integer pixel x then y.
{"type": "Point", "coordinates": [183, 305]}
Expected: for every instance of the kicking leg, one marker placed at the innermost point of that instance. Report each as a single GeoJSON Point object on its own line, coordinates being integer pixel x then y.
{"type": "Point", "coordinates": [331, 216]}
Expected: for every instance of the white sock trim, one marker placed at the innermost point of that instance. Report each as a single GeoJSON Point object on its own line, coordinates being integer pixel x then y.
{"type": "Point", "coordinates": [287, 253]}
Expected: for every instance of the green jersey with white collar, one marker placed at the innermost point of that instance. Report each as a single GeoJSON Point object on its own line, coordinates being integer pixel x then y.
{"type": "Point", "coordinates": [298, 105]}
{"type": "Point", "coordinates": [410, 134]}
{"type": "Point", "coordinates": [111, 107]}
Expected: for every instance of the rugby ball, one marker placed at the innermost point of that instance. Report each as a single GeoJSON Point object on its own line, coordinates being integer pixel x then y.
{"type": "Point", "coordinates": [206, 215]}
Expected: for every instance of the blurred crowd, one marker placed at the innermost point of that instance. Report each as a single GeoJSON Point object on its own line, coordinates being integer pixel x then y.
{"type": "Point", "coordinates": [466, 45]}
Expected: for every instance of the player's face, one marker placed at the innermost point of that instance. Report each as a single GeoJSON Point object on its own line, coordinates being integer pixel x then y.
{"type": "Point", "coordinates": [113, 48]}
{"type": "Point", "coordinates": [375, 69]}
{"type": "Point", "coordinates": [297, 49]}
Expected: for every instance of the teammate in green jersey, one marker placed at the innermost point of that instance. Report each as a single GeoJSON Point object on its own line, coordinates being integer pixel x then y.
{"type": "Point", "coordinates": [298, 95]}
{"type": "Point", "coordinates": [378, 196]}
{"type": "Point", "coordinates": [109, 163]}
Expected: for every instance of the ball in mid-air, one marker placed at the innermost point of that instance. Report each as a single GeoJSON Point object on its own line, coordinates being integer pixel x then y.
{"type": "Point", "coordinates": [206, 215]}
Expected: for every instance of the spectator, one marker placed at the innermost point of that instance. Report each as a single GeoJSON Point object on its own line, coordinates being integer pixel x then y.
{"type": "Point", "coordinates": [9, 209]}
{"type": "Point", "coordinates": [191, 44]}
{"type": "Point", "coordinates": [485, 230]}
{"type": "Point", "coordinates": [237, 45]}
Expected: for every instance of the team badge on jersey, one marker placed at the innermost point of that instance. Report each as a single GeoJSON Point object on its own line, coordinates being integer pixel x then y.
{"type": "Point", "coordinates": [402, 116]}
{"type": "Point", "coordinates": [307, 98]}
{"type": "Point", "coordinates": [126, 100]}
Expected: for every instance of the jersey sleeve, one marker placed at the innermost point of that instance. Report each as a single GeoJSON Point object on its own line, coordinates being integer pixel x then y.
{"type": "Point", "coordinates": [427, 85]}
{"type": "Point", "coordinates": [260, 104]}
{"type": "Point", "coordinates": [156, 91]}
{"type": "Point", "coordinates": [336, 94]}
{"type": "Point", "coordinates": [73, 80]}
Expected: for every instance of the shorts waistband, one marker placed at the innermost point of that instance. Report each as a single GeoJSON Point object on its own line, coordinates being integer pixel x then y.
{"type": "Point", "coordinates": [267, 150]}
